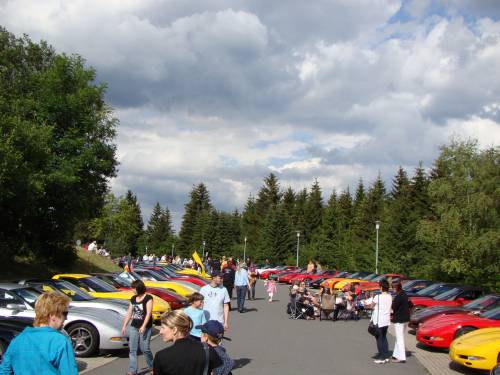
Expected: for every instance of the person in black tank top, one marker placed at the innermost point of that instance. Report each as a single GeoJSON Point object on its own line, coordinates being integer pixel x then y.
{"type": "Point", "coordinates": [139, 314]}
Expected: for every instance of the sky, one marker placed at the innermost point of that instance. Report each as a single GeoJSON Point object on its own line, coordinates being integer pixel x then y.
{"type": "Point", "coordinates": [225, 92]}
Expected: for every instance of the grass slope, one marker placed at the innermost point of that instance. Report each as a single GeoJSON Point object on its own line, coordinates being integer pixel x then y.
{"type": "Point", "coordinates": [21, 268]}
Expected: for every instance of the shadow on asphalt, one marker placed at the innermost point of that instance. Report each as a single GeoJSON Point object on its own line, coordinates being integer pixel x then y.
{"type": "Point", "coordinates": [81, 365]}
{"type": "Point", "coordinates": [465, 370]}
{"type": "Point", "coordinates": [431, 349]}
{"type": "Point", "coordinates": [241, 362]}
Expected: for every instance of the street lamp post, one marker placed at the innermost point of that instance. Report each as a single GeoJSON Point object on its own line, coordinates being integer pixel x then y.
{"type": "Point", "coordinates": [377, 227]}
{"type": "Point", "coordinates": [173, 247]}
{"type": "Point", "coordinates": [298, 245]}
{"type": "Point", "coordinates": [245, 250]}
{"type": "Point", "coordinates": [203, 252]}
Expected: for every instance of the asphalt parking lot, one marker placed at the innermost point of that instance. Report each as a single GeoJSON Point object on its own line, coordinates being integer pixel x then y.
{"type": "Point", "coordinates": [265, 341]}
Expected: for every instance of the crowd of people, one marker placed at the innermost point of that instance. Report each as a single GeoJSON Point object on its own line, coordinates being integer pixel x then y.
{"type": "Point", "coordinates": [197, 330]}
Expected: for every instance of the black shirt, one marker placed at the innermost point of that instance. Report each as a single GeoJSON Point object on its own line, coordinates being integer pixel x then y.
{"type": "Point", "coordinates": [185, 357]}
{"type": "Point", "coordinates": [401, 308]}
{"type": "Point", "coordinates": [139, 311]}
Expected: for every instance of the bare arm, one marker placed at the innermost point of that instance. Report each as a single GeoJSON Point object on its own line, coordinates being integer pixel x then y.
{"type": "Point", "coordinates": [128, 315]}
{"type": "Point", "coordinates": [149, 309]}
{"type": "Point", "coordinates": [226, 316]}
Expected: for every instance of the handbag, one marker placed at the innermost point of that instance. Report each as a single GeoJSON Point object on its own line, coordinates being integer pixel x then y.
{"type": "Point", "coordinates": [373, 329]}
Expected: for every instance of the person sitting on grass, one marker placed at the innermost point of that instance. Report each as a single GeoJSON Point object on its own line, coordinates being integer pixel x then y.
{"type": "Point", "coordinates": [212, 333]}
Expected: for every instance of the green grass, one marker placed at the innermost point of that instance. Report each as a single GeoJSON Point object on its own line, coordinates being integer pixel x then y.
{"type": "Point", "coordinates": [22, 268]}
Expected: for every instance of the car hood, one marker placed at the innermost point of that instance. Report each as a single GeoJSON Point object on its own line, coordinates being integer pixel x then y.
{"type": "Point", "coordinates": [485, 336]}
{"type": "Point", "coordinates": [436, 310]}
{"type": "Point", "coordinates": [447, 320]}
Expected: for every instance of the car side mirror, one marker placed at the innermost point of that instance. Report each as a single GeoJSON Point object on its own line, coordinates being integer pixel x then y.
{"type": "Point", "coordinates": [16, 306]}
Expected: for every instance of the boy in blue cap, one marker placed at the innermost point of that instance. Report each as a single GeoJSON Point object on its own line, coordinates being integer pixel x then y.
{"type": "Point", "coordinates": [212, 333]}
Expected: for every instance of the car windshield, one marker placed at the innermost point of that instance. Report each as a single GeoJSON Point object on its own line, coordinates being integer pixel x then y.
{"type": "Point", "coordinates": [98, 285]}
{"type": "Point", "coordinates": [72, 291]}
{"type": "Point", "coordinates": [378, 278]}
{"type": "Point", "coordinates": [129, 276]}
{"type": "Point", "coordinates": [491, 314]}
{"type": "Point", "coordinates": [169, 272]}
{"type": "Point", "coordinates": [448, 295]}
{"type": "Point", "coordinates": [370, 276]}
{"type": "Point", "coordinates": [429, 289]}
{"type": "Point", "coordinates": [490, 301]}
{"type": "Point", "coordinates": [27, 294]}
{"type": "Point", "coordinates": [354, 275]}
{"type": "Point", "coordinates": [410, 284]}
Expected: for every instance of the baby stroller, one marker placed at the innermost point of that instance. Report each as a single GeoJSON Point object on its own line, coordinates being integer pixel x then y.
{"type": "Point", "coordinates": [327, 306]}
{"type": "Point", "coordinates": [297, 309]}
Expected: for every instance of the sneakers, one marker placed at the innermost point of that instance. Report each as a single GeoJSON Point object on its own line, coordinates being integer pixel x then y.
{"type": "Point", "coordinates": [380, 361]}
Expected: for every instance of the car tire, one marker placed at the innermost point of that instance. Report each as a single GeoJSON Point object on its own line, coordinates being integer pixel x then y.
{"type": "Point", "coordinates": [84, 338]}
{"type": "Point", "coordinates": [462, 331]}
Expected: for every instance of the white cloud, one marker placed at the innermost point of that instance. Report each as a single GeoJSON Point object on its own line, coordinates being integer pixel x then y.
{"type": "Point", "coordinates": [228, 90]}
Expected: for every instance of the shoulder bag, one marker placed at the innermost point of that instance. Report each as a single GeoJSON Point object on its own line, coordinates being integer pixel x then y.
{"type": "Point", "coordinates": [373, 329]}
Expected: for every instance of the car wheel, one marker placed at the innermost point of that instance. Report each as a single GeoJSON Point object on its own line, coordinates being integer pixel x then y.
{"type": "Point", "coordinates": [462, 331]}
{"type": "Point", "coordinates": [85, 339]}
{"type": "Point", "coordinates": [3, 348]}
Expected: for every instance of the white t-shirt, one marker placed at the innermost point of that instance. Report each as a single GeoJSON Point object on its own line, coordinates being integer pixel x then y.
{"type": "Point", "coordinates": [213, 304]}
{"type": "Point", "coordinates": [381, 314]}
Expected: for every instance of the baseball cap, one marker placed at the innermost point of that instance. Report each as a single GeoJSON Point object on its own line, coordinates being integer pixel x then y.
{"type": "Point", "coordinates": [212, 328]}
{"type": "Point", "coordinates": [216, 273]}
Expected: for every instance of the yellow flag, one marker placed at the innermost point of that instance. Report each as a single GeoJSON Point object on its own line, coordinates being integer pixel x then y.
{"type": "Point", "coordinates": [197, 259]}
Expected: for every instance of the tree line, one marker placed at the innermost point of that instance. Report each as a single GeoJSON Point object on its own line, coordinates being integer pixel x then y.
{"type": "Point", "coordinates": [57, 154]}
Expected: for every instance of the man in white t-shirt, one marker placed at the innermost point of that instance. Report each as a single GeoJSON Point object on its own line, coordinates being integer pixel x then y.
{"type": "Point", "coordinates": [216, 302]}
{"type": "Point", "coordinates": [381, 316]}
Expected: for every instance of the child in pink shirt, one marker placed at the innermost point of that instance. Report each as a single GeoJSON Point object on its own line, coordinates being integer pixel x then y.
{"type": "Point", "coordinates": [271, 289]}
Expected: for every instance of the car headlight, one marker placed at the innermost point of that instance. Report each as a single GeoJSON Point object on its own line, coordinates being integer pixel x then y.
{"type": "Point", "coordinates": [436, 338]}
{"type": "Point", "coordinates": [475, 358]}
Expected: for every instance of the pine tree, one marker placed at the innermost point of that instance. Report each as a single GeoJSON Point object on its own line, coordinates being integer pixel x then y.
{"type": "Point", "coordinates": [159, 229]}
{"type": "Point", "coordinates": [268, 196]}
{"type": "Point", "coordinates": [250, 225]}
{"type": "Point", "coordinates": [192, 228]}
{"type": "Point", "coordinates": [288, 202]}
{"type": "Point", "coordinates": [132, 199]}
{"type": "Point", "coordinates": [313, 212]}
{"type": "Point", "coordinates": [277, 241]}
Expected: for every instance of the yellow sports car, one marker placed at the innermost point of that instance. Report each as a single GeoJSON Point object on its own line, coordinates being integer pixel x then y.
{"type": "Point", "coordinates": [101, 289]}
{"type": "Point", "coordinates": [478, 349]}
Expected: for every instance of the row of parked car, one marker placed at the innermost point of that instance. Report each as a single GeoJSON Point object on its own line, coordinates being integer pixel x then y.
{"type": "Point", "coordinates": [459, 318]}
{"type": "Point", "coordinates": [98, 305]}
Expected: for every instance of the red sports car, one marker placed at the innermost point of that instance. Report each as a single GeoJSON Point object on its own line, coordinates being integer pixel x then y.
{"type": "Point", "coordinates": [374, 283]}
{"type": "Point", "coordinates": [169, 275]}
{"type": "Point", "coordinates": [287, 277]}
{"type": "Point", "coordinates": [266, 273]}
{"type": "Point", "coordinates": [457, 296]}
{"type": "Point", "coordinates": [308, 277]}
{"type": "Point", "coordinates": [441, 330]}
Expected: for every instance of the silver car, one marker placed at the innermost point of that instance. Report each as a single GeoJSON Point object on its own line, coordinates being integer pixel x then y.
{"type": "Point", "coordinates": [79, 297]}
{"type": "Point", "coordinates": [90, 329]}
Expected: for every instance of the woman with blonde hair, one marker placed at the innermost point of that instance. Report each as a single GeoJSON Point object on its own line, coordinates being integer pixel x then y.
{"type": "Point", "coordinates": [43, 348]}
{"type": "Point", "coordinates": [185, 356]}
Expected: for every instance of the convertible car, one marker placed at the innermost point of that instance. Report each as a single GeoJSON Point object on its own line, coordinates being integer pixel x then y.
{"type": "Point", "coordinates": [482, 304]}
{"type": "Point", "coordinates": [101, 289]}
{"type": "Point", "coordinates": [479, 349]}
{"type": "Point", "coordinates": [440, 331]}
{"type": "Point", "coordinates": [90, 329]}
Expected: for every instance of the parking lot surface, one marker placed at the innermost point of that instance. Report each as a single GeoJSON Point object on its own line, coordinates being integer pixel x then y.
{"type": "Point", "coordinates": [265, 341]}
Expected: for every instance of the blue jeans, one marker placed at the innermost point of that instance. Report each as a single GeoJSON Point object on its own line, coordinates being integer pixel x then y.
{"type": "Point", "coordinates": [241, 292]}
{"type": "Point", "coordinates": [382, 344]}
{"type": "Point", "coordinates": [136, 341]}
